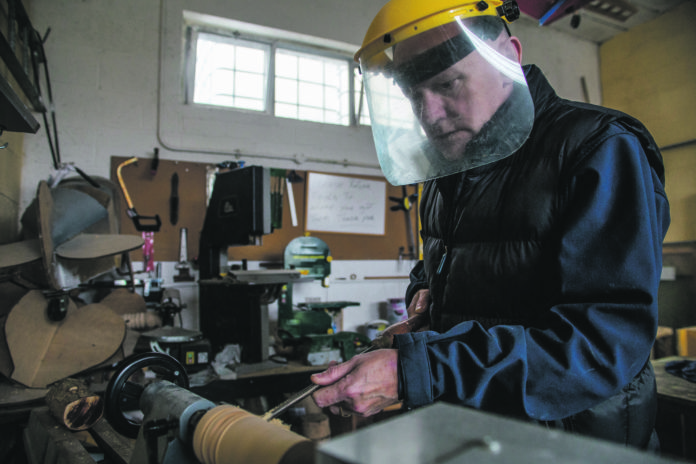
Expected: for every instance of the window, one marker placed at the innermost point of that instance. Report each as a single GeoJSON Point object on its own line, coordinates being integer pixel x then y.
{"type": "Point", "coordinates": [311, 87]}
{"type": "Point", "coordinates": [283, 77]}
{"type": "Point", "coordinates": [230, 72]}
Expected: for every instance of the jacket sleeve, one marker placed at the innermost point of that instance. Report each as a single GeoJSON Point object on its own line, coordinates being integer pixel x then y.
{"type": "Point", "coordinates": [599, 334]}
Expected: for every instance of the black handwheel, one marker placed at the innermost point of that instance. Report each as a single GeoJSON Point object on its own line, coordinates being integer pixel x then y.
{"type": "Point", "coordinates": [126, 386]}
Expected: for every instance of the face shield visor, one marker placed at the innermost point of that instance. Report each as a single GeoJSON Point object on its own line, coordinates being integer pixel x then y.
{"type": "Point", "coordinates": [446, 100]}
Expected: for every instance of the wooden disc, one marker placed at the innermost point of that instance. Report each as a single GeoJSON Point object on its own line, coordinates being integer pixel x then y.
{"type": "Point", "coordinates": [44, 351]}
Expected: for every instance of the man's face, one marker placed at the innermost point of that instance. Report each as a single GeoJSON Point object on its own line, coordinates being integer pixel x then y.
{"type": "Point", "coordinates": [453, 106]}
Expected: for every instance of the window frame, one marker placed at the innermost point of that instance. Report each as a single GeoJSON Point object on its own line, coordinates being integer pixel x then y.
{"type": "Point", "coordinates": [275, 39]}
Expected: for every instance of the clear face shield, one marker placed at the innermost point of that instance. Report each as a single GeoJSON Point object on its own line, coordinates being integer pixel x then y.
{"type": "Point", "coordinates": [447, 100]}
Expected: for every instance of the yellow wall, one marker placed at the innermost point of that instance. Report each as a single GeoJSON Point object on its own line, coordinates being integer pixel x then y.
{"type": "Point", "coordinates": [650, 73]}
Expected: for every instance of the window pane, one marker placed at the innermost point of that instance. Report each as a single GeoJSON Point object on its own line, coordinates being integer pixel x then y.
{"type": "Point", "coordinates": [311, 94]}
{"type": "Point", "coordinates": [248, 103]}
{"type": "Point", "coordinates": [248, 85]}
{"type": "Point", "coordinates": [286, 111]}
{"type": "Point", "coordinates": [286, 90]}
{"type": "Point", "coordinates": [332, 100]}
{"type": "Point", "coordinates": [311, 69]}
{"type": "Point", "coordinates": [310, 114]}
{"type": "Point", "coordinates": [250, 59]}
{"type": "Point", "coordinates": [230, 72]}
{"type": "Point", "coordinates": [222, 82]}
{"type": "Point", "coordinates": [286, 65]}
{"type": "Point", "coordinates": [319, 87]}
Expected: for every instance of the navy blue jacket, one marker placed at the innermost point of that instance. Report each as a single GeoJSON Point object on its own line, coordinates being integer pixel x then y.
{"type": "Point", "coordinates": [544, 270]}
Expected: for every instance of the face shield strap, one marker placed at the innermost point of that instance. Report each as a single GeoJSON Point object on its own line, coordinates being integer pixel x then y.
{"type": "Point", "coordinates": [433, 61]}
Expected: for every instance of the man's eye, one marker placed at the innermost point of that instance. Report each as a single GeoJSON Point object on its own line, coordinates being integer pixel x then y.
{"type": "Point", "coordinates": [447, 85]}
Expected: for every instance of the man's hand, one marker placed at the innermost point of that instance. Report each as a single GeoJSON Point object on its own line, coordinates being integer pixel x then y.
{"type": "Point", "coordinates": [365, 385]}
{"type": "Point", "coordinates": [419, 303]}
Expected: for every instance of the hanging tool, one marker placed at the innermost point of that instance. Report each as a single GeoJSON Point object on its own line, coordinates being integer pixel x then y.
{"type": "Point", "coordinates": [141, 223]}
{"type": "Point", "coordinates": [405, 204]}
{"type": "Point", "coordinates": [412, 324]}
{"type": "Point", "coordinates": [277, 188]}
{"type": "Point", "coordinates": [292, 178]}
{"type": "Point", "coordinates": [155, 163]}
{"type": "Point", "coordinates": [174, 200]}
{"type": "Point", "coordinates": [148, 225]}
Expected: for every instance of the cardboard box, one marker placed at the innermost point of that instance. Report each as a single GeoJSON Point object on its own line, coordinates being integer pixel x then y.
{"type": "Point", "coordinates": [686, 341]}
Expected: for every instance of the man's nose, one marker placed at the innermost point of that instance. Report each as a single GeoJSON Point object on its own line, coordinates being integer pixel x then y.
{"type": "Point", "coordinates": [431, 107]}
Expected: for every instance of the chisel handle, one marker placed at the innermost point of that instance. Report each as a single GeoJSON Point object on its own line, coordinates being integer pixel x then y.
{"type": "Point", "coordinates": [412, 324]}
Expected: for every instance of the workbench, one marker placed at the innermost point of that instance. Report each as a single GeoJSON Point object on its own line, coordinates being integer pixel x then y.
{"type": "Point", "coordinates": [676, 411]}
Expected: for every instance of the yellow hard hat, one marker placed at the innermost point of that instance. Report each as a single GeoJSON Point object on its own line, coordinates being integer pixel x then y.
{"type": "Point", "coordinates": [399, 20]}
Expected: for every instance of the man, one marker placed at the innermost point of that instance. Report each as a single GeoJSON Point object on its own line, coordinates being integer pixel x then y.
{"type": "Point", "coordinates": [542, 224]}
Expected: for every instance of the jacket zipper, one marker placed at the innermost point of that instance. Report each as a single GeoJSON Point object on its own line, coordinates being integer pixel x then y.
{"type": "Point", "coordinates": [442, 262]}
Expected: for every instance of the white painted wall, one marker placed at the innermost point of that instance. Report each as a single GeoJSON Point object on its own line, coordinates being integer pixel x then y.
{"type": "Point", "coordinates": [117, 93]}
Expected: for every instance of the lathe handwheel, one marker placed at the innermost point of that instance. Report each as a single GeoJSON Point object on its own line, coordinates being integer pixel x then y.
{"type": "Point", "coordinates": [124, 389]}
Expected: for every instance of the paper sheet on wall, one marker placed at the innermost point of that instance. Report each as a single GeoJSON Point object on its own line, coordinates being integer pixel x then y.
{"type": "Point", "coordinates": [349, 205]}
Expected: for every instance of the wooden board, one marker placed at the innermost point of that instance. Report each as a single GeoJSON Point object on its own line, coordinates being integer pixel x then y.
{"type": "Point", "coordinates": [18, 253]}
{"type": "Point", "coordinates": [150, 196]}
{"type": "Point", "coordinates": [92, 246]}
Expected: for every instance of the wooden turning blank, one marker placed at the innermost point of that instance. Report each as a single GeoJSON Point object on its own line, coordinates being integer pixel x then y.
{"type": "Point", "coordinates": [227, 434]}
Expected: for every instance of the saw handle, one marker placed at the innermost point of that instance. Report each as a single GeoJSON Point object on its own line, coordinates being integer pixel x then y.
{"type": "Point", "coordinates": [141, 223]}
{"type": "Point", "coordinates": [123, 184]}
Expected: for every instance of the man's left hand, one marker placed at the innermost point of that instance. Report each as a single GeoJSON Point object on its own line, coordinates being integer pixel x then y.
{"type": "Point", "coordinates": [364, 385]}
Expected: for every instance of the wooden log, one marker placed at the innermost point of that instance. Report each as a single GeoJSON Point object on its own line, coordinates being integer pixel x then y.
{"type": "Point", "coordinates": [74, 405]}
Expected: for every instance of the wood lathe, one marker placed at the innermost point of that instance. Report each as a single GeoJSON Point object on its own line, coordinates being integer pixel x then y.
{"type": "Point", "coordinates": [173, 425]}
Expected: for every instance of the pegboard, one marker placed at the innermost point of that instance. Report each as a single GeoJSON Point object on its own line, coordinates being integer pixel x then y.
{"type": "Point", "coordinates": [150, 193]}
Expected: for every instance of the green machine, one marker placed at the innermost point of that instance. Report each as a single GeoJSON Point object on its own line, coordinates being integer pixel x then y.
{"type": "Point", "coordinates": [311, 327]}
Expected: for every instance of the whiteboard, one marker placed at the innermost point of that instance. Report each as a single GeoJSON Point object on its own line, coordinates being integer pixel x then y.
{"type": "Point", "coordinates": [348, 205]}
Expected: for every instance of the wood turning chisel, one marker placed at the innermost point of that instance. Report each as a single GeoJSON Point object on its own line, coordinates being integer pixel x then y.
{"type": "Point", "coordinates": [385, 340]}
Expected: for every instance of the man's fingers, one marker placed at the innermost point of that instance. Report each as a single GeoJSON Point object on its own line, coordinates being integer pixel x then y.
{"type": "Point", "coordinates": [332, 373]}
{"type": "Point", "coordinates": [419, 303]}
{"type": "Point", "coordinates": [330, 395]}
{"type": "Point", "coordinates": [423, 301]}
{"type": "Point", "coordinates": [330, 378]}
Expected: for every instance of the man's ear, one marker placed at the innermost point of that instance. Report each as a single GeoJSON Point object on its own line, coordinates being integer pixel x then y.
{"type": "Point", "coordinates": [516, 49]}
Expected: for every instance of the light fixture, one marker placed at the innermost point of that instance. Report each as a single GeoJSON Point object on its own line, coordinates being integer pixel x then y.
{"type": "Point", "coordinates": [618, 10]}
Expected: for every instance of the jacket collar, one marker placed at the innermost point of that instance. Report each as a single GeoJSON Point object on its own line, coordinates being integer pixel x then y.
{"type": "Point", "coordinates": [542, 93]}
